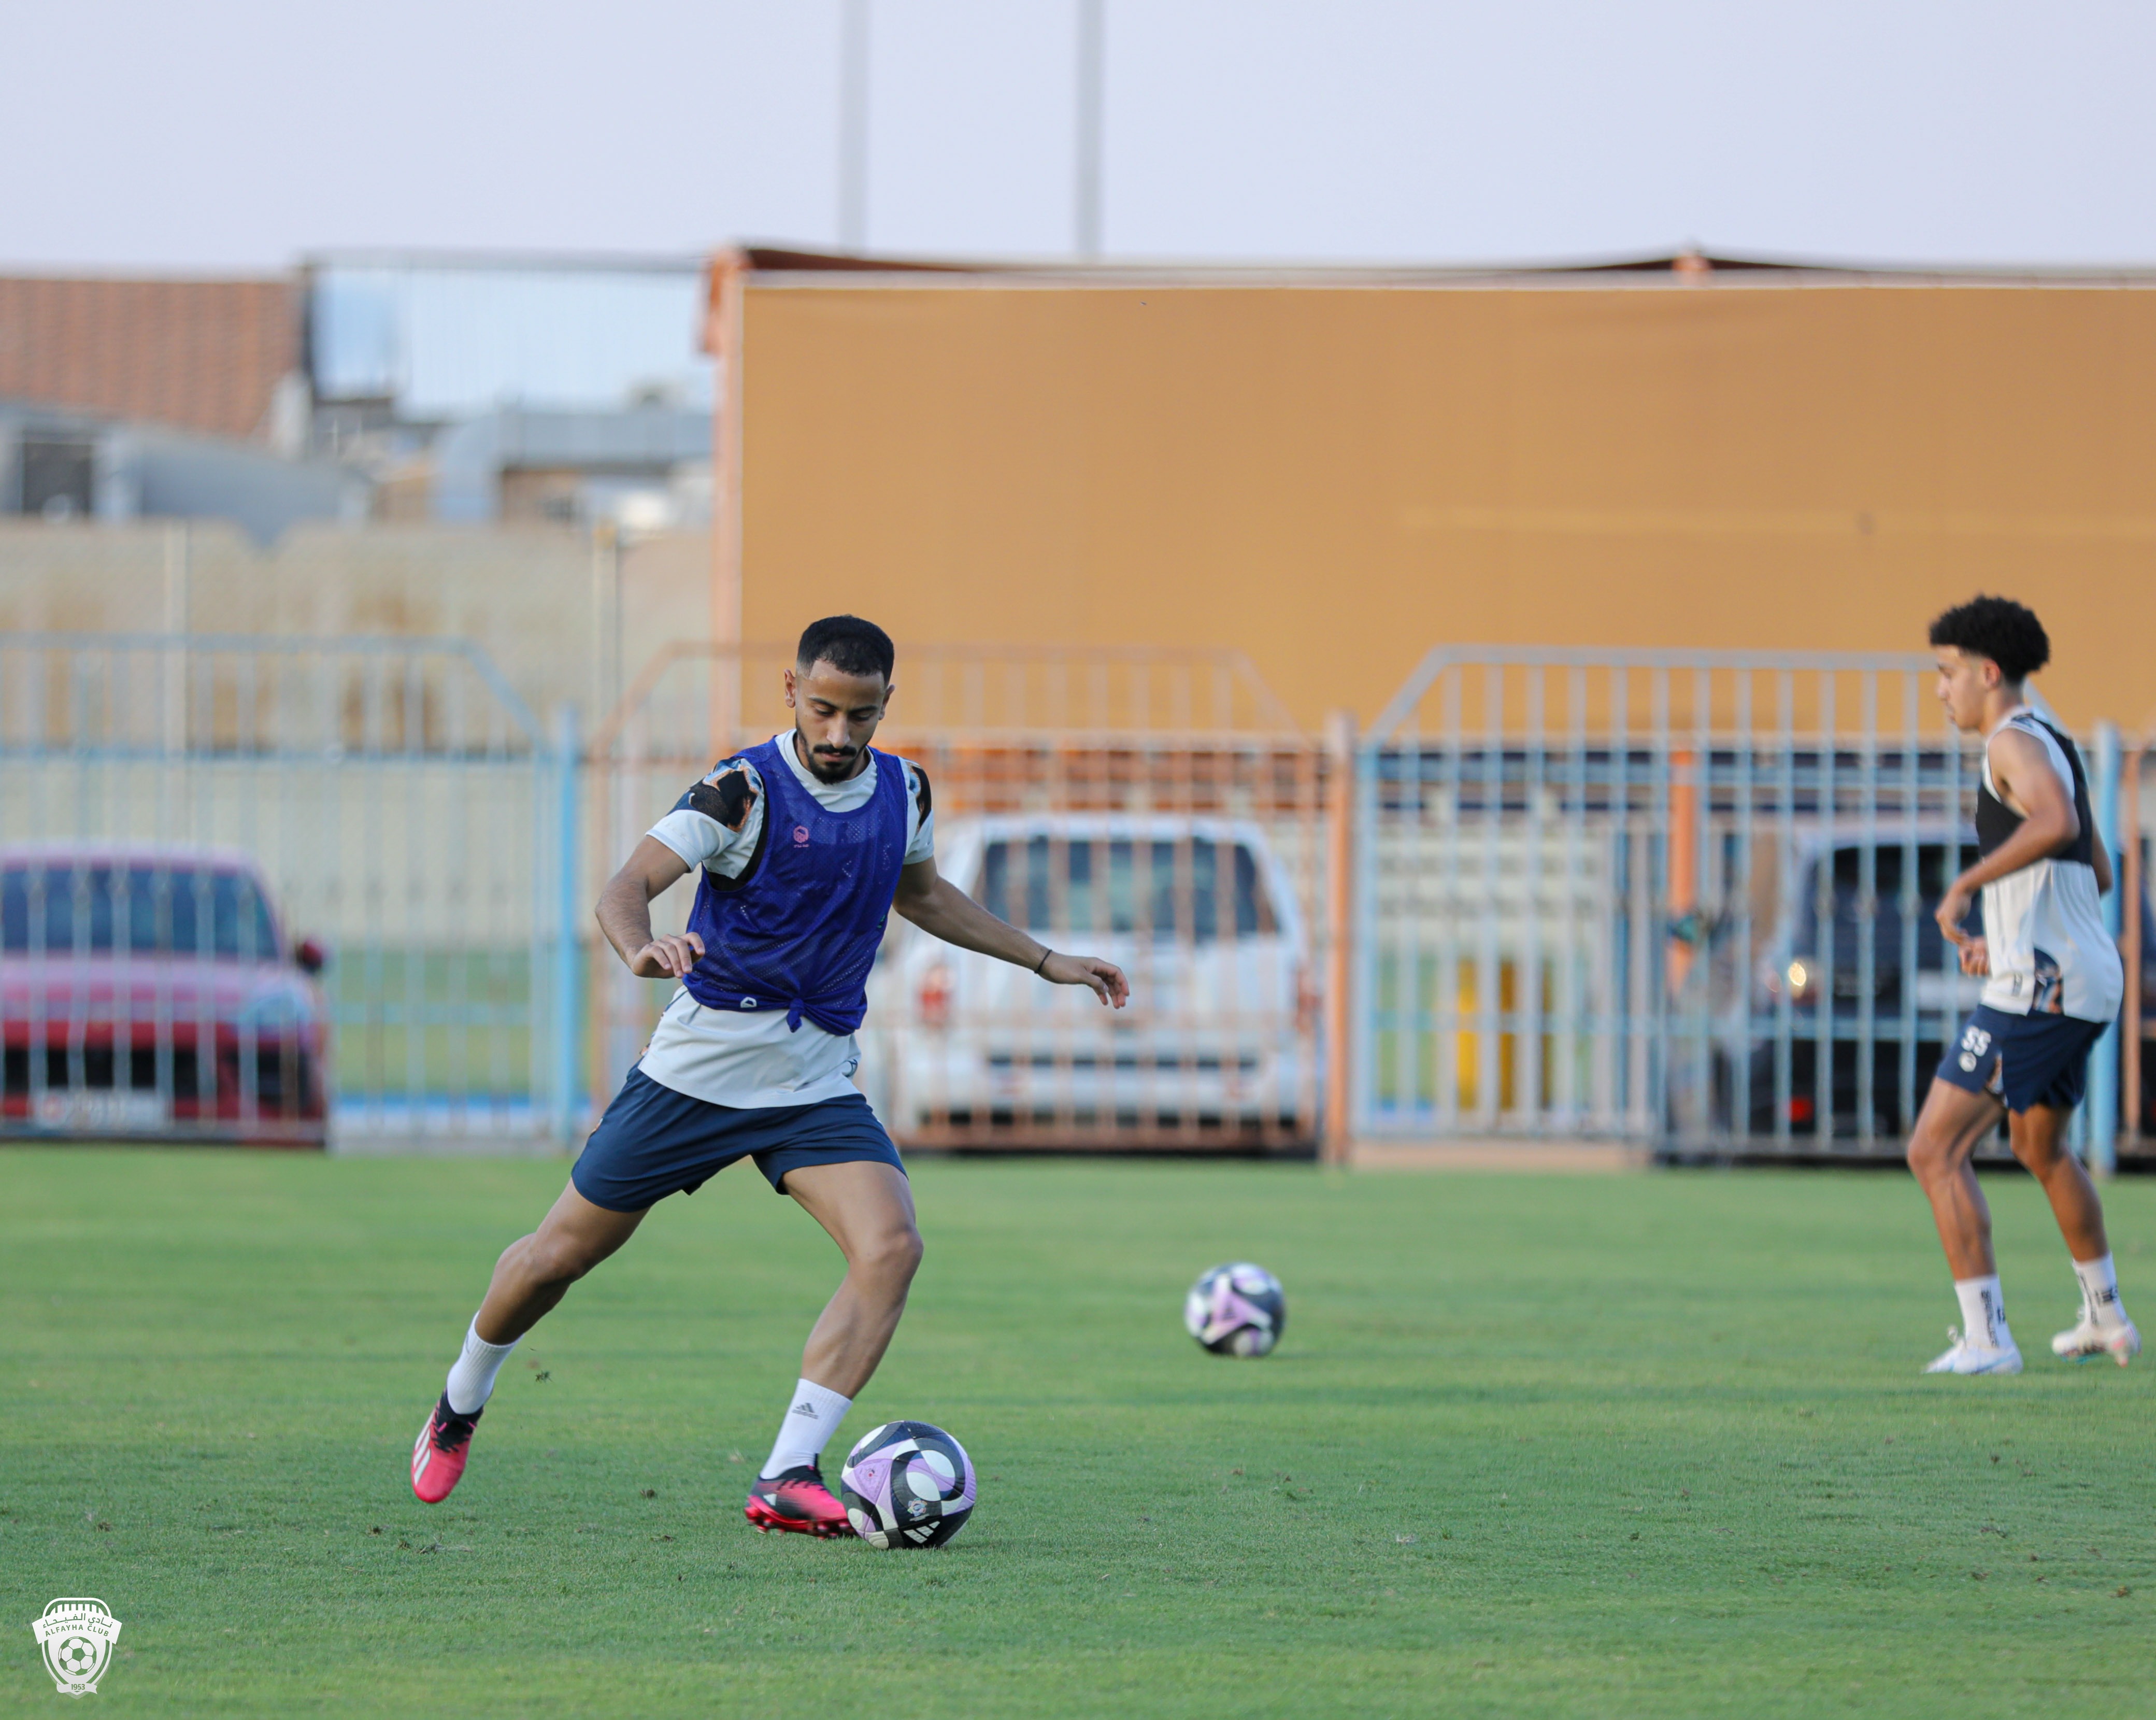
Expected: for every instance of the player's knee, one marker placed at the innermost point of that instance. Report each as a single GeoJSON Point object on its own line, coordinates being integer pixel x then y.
{"type": "Point", "coordinates": [2037, 1148]}
{"type": "Point", "coordinates": [1930, 1152]}
{"type": "Point", "coordinates": [893, 1256]}
{"type": "Point", "coordinates": [557, 1260]}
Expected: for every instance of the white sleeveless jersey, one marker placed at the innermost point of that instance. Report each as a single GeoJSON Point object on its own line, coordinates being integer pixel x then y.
{"type": "Point", "coordinates": [2043, 925]}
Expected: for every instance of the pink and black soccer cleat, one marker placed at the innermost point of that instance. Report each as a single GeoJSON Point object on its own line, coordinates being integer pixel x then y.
{"type": "Point", "coordinates": [438, 1460]}
{"type": "Point", "coordinates": [796, 1503]}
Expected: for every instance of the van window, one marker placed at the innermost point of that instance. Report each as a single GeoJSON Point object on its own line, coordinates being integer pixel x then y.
{"type": "Point", "coordinates": [1932, 874]}
{"type": "Point", "coordinates": [96, 910]}
{"type": "Point", "coordinates": [1937, 866]}
{"type": "Point", "coordinates": [1185, 889]}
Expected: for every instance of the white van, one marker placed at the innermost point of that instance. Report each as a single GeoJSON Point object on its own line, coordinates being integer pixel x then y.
{"type": "Point", "coordinates": [1216, 1050]}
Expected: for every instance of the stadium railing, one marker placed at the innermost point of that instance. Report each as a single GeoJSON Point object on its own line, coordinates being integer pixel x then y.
{"type": "Point", "coordinates": [1676, 898]}
{"type": "Point", "coordinates": [393, 802]}
{"type": "Point", "coordinates": [1680, 898]}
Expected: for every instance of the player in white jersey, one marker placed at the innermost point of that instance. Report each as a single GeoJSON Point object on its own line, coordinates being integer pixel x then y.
{"type": "Point", "coordinates": [2053, 981]}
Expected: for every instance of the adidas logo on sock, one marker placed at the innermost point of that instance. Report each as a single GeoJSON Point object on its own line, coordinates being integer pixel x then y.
{"type": "Point", "coordinates": [805, 1408]}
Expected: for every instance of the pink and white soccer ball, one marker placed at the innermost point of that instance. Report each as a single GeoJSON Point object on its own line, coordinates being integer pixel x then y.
{"type": "Point", "coordinates": [1236, 1310]}
{"type": "Point", "coordinates": [907, 1484]}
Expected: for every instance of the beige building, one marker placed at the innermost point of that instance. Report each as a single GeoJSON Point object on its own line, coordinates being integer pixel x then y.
{"type": "Point", "coordinates": [567, 614]}
{"type": "Point", "coordinates": [1332, 471]}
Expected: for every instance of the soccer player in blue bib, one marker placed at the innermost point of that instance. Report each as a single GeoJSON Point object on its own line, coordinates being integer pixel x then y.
{"type": "Point", "coordinates": [2052, 980]}
{"type": "Point", "coordinates": [802, 845]}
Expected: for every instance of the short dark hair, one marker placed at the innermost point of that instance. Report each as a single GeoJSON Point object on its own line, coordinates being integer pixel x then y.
{"type": "Point", "coordinates": [850, 645]}
{"type": "Point", "coordinates": [1997, 627]}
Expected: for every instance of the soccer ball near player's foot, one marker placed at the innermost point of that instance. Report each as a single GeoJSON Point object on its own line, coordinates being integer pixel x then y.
{"type": "Point", "coordinates": [907, 1485]}
{"type": "Point", "coordinates": [1236, 1310]}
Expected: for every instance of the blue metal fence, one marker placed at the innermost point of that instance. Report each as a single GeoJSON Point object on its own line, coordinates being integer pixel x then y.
{"type": "Point", "coordinates": [1676, 897]}
{"type": "Point", "coordinates": [390, 803]}
{"type": "Point", "coordinates": [1680, 897]}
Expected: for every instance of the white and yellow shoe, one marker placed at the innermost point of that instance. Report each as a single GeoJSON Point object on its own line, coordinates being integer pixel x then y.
{"type": "Point", "coordinates": [2089, 1339]}
{"type": "Point", "coordinates": [1963, 1356]}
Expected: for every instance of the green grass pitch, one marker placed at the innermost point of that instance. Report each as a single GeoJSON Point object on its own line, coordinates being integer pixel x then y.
{"type": "Point", "coordinates": [1653, 1445]}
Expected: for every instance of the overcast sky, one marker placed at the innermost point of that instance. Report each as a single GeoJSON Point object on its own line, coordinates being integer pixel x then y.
{"type": "Point", "coordinates": [238, 134]}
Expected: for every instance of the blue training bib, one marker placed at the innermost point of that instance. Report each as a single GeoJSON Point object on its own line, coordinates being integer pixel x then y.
{"type": "Point", "coordinates": [799, 931]}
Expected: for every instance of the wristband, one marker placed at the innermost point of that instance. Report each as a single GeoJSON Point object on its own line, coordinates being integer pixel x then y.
{"type": "Point", "coordinates": [1042, 962]}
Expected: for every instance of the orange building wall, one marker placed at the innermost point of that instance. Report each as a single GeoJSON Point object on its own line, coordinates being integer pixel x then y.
{"type": "Point", "coordinates": [1333, 479]}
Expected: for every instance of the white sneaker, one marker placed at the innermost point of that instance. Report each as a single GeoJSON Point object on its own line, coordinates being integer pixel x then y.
{"type": "Point", "coordinates": [1963, 1356]}
{"type": "Point", "coordinates": [2088, 1340]}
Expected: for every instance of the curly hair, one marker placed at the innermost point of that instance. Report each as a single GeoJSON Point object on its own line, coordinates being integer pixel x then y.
{"type": "Point", "coordinates": [1997, 627]}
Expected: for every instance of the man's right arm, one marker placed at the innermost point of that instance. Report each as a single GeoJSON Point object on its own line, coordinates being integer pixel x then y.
{"type": "Point", "coordinates": [714, 815]}
{"type": "Point", "coordinates": [624, 914]}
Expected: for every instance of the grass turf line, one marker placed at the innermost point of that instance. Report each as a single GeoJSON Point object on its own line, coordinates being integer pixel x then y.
{"type": "Point", "coordinates": [1532, 1445]}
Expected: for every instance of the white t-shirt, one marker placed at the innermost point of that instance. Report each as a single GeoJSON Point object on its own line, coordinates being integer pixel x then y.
{"type": "Point", "coordinates": [754, 1061]}
{"type": "Point", "coordinates": [2043, 924]}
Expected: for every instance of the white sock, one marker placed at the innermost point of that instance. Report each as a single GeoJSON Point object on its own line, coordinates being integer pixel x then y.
{"type": "Point", "coordinates": [1983, 1313]}
{"type": "Point", "coordinates": [471, 1379]}
{"type": "Point", "coordinates": [806, 1428]}
{"type": "Point", "coordinates": [2099, 1283]}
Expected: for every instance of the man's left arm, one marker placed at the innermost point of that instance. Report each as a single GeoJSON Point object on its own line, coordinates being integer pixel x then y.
{"type": "Point", "coordinates": [942, 910]}
{"type": "Point", "coordinates": [2022, 770]}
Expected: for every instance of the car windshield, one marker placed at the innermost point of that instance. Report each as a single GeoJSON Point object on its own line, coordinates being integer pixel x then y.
{"type": "Point", "coordinates": [1184, 888]}
{"type": "Point", "coordinates": [101, 909]}
{"type": "Point", "coordinates": [1932, 877]}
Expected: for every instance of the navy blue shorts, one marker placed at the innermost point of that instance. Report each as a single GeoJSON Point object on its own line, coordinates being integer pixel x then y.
{"type": "Point", "coordinates": [2022, 1060]}
{"type": "Point", "coordinates": [654, 1142]}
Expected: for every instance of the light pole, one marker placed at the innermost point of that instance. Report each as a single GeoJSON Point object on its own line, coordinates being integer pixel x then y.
{"type": "Point", "coordinates": [1093, 26]}
{"type": "Point", "coordinates": [853, 123]}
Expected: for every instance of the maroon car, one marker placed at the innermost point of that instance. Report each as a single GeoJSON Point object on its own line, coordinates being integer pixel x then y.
{"type": "Point", "coordinates": [150, 993]}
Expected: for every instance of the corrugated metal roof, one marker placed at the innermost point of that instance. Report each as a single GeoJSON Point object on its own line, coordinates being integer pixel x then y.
{"type": "Point", "coordinates": [845, 269]}
{"type": "Point", "coordinates": [471, 457]}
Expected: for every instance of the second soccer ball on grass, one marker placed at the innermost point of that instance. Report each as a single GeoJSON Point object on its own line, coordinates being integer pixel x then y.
{"type": "Point", "coordinates": [1236, 1310]}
